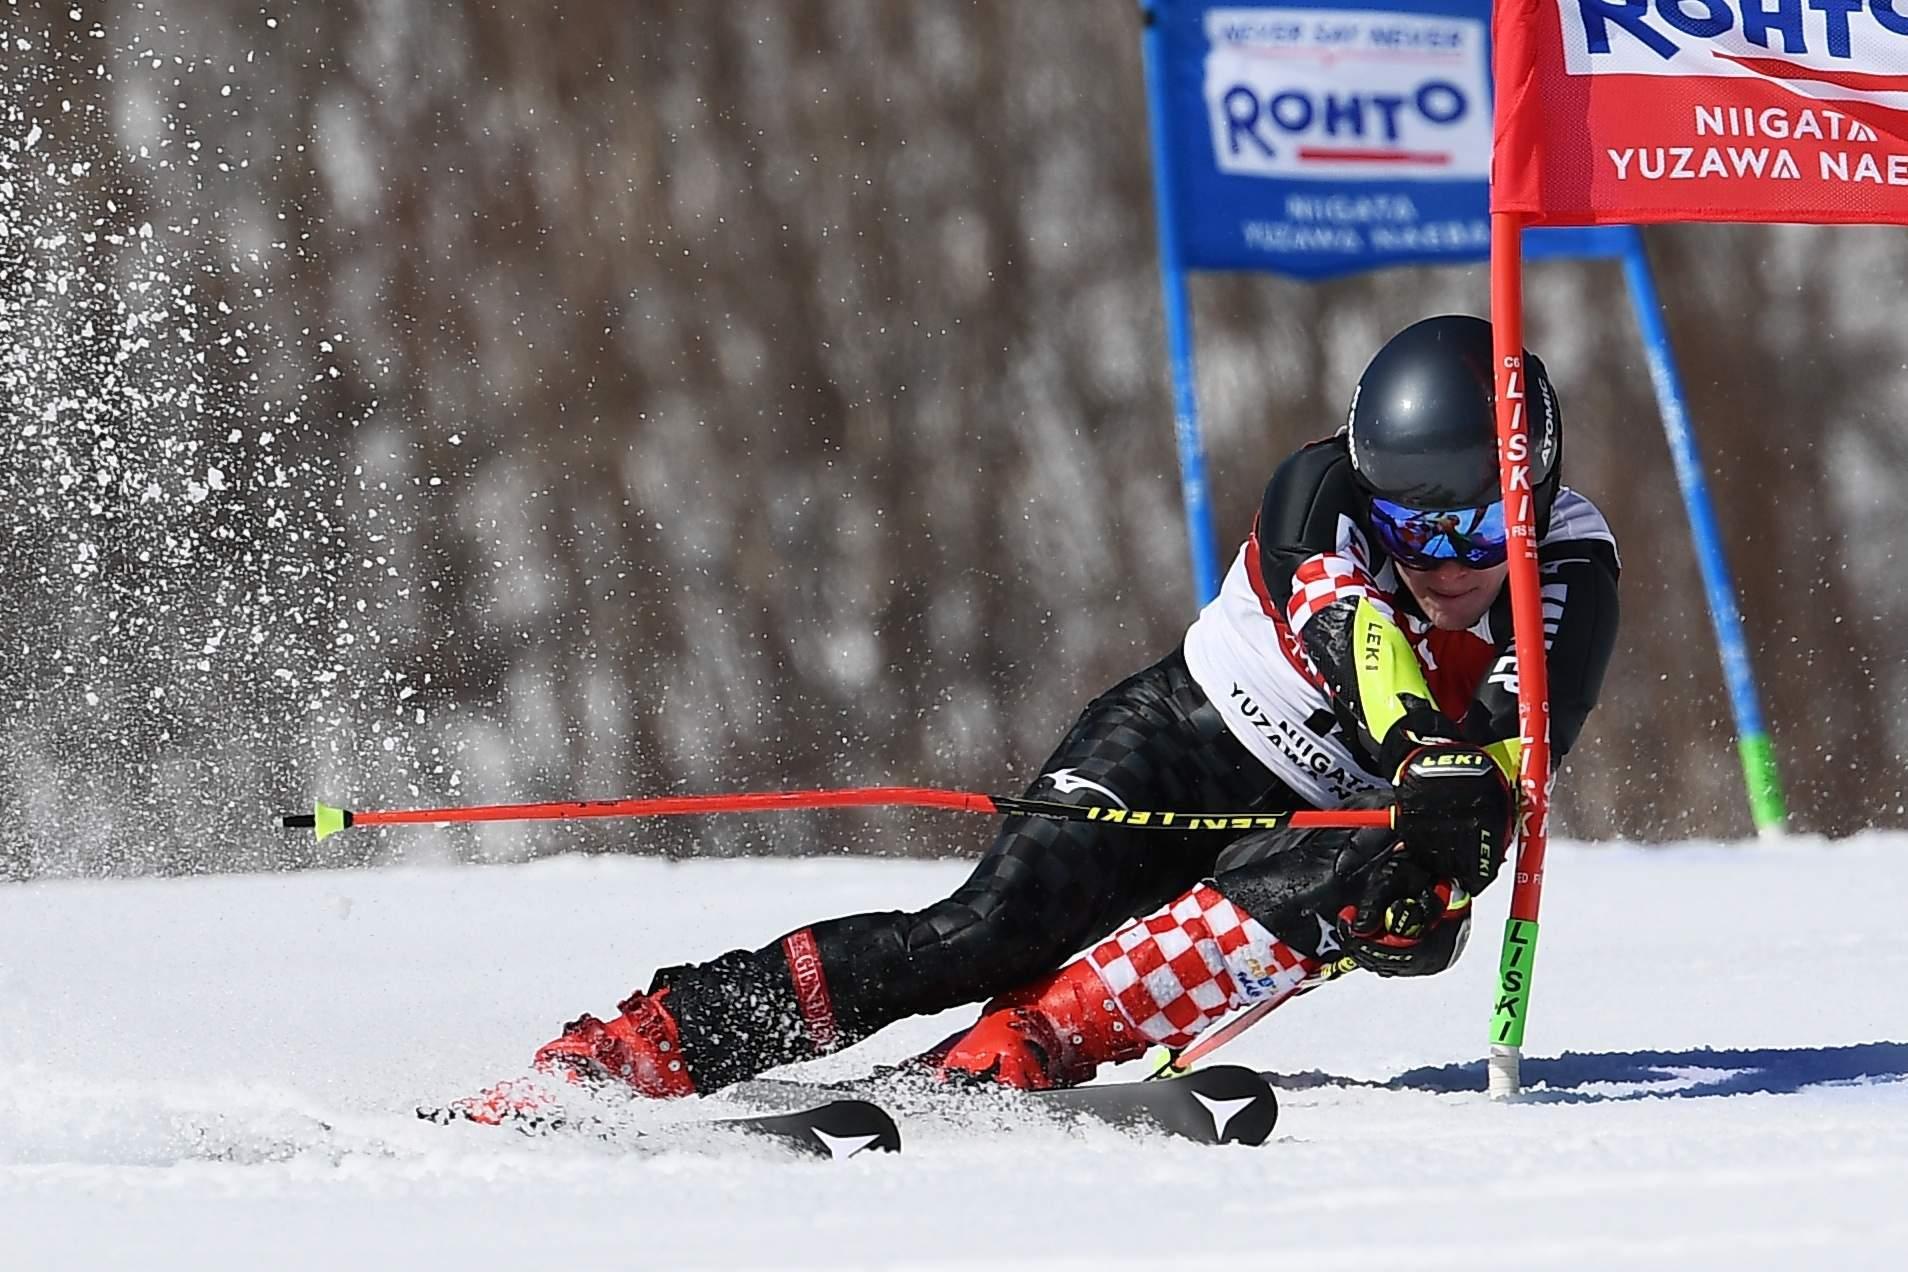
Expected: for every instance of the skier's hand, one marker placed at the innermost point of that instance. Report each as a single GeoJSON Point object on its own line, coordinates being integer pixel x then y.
{"type": "Point", "coordinates": [1454, 811]}
{"type": "Point", "coordinates": [1407, 922]}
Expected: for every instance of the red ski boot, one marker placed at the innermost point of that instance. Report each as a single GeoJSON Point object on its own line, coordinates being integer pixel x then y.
{"type": "Point", "coordinates": [1054, 1033]}
{"type": "Point", "coordinates": [639, 1048]}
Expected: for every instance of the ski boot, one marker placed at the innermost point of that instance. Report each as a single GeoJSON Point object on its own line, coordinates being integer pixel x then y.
{"type": "Point", "coordinates": [1053, 1033]}
{"type": "Point", "coordinates": [639, 1048]}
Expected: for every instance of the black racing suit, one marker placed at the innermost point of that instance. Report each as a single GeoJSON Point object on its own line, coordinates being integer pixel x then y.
{"type": "Point", "coordinates": [1159, 739]}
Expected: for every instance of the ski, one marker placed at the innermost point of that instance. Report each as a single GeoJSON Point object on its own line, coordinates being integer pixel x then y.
{"type": "Point", "coordinates": [1223, 1104]}
{"type": "Point", "coordinates": [839, 1128]}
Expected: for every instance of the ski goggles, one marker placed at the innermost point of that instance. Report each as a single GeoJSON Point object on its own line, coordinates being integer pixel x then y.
{"type": "Point", "coordinates": [1425, 538]}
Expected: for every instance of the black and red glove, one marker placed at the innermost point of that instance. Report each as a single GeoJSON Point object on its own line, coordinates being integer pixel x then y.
{"type": "Point", "coordinates": [1406, 922]}
{"type": "Point", "coordinates": [1455, 809]}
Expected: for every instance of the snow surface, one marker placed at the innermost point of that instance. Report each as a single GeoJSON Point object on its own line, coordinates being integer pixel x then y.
{"type": "Point", "coordinates": [218, 1072]}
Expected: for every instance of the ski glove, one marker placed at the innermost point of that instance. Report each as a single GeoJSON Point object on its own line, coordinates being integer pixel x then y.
{"type": "Point", "coordinates": [1454, 811]}
{"type": "Point", "coordinates": [1406, 923]}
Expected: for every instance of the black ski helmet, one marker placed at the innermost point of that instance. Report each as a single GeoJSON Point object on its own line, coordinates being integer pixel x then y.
{"type": "Point", "coordinates": [1422, 428]}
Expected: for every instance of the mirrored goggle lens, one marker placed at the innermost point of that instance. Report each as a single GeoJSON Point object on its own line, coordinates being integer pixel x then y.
{"type": "Point", "coordinates": [1427, 537]}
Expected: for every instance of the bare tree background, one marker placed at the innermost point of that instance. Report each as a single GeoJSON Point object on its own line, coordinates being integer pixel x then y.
{"type": "Point", "coordinates": [454, 402]}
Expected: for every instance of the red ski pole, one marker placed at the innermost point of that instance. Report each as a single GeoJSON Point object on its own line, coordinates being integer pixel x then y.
{"type": "Point", "coordinates": [327, 820]}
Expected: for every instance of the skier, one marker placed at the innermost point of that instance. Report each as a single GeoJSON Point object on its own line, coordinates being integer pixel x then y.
{"type": "Point", "coordinates": [1358, 654]}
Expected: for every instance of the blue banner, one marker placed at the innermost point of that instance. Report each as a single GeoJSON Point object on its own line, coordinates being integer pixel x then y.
{"type": "Point", "coordinates": [1316, 138]}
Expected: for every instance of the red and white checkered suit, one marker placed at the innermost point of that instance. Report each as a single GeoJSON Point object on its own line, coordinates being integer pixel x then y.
{"type": "Point", "coordinates": [1326, 579]}
{"type": "Point", "coordinates": [1177, 972]}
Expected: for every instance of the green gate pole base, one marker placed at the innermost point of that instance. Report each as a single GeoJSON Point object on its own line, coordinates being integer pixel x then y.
{"type": "Point", "coordinates": [1513, 1003]}
{"type": "Point", "coordinates": [1765, 785]}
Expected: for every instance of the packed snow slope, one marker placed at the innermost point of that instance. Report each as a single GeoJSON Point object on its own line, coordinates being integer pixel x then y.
{"type": "Point", "coordinates": [220, 1072]}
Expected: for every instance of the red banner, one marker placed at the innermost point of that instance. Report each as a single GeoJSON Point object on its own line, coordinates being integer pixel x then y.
{"type": "Point", "coordinates": [1615, 111]}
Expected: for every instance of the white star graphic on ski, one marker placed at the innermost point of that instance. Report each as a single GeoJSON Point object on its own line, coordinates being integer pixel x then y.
{"type": "Point", "coordinates": [840, 1146]}
{"type": "Point", "coordinates": [1066, 781]}
{"type": "Point", "coordinates": [1327, 939]}
{"type": "Point", "coordinates": [1222, 1111]}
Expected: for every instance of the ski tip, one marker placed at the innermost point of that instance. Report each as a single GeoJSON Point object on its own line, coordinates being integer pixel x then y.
{"type": "Point", "coordinates": [841, 1128]}
{"type": "Point", "coordinates": [849, 1127]}
{"type": "Point", "coordinates": [1242, 1104]}
{"type": "Point", "coordinates": [1225, 1104]}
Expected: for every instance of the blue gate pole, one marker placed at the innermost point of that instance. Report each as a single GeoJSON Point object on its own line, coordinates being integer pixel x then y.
{"type": "Point", "coordinates": [1758, 756]}
{"type": "Point", "coordinates": [1179, 333]}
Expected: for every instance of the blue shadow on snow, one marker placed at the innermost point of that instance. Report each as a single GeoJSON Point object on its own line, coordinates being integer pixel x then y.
{"type": "Point", "coordinates": [1699, 1072]}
